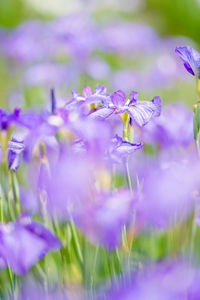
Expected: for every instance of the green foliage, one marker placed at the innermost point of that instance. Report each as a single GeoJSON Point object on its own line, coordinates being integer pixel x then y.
{"type": "Point", "coordinates": [179, 17]}
{"type": "Point", "coordinates": [196, 122]}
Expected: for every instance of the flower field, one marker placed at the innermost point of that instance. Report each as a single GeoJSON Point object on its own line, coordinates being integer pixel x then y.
{"type": "Point", "coordinates": [99, 153]}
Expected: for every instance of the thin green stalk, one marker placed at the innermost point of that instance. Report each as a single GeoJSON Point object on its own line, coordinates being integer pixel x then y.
{"type": "Point", "coordinates": [14, 184]}
{"type": "Point", "coordinates": [2, 208]}
{"type": "Point", "coordinates": [193, 234]}
{"type": "Point", "coordinates": [93, 268]}
{"type": "Point", "coordinates": [198, 85]}
{"type": "Point", "coordinates": [197, 146]}
{"type": "Point", "coordinates": [128, 177]}
{"type": "Point", "coordinates": [76, 242]}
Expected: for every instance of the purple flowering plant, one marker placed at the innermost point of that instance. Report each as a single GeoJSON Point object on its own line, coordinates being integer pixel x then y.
{"type": "Point", "coordinates": [99, 191]}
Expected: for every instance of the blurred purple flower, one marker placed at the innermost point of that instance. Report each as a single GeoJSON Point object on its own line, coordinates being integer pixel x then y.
{"type": "Point", "coordinates": [102, 219]}
{"type": "Point", "coordinates": [88, 131]}
{"type": "Point", "coordinates": [124, 37]}
{"type": "Point", "coordinates": [64, 182]}
{"type": "Point", "coordinates": [158, 281]}
{"type": "Point", "coordinates": [26, 237]}
{"type": "Point", "coordinates": [88, 97]}
{"type": "Point", "coordinates": [190, 58]}
{"type": "Point", "coordinates": [98, 69]}
{"type": "Point", "coordinates": [6, 118]}
{"type": "Point", "coordinates": [15, 150]}
{"type": "Point", "coordinates": [48, 73]}
{"type": "Point", "coordinates": [28, 42]}
{"type": "Point", "coordinates": [173, 128]}
{"type": "Point", "coordinates": [167, 189]}
{"type": "Point", "coordinates": [75, 35]}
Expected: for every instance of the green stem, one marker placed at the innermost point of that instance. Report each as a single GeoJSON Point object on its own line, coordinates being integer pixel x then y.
{"type": "Point", "coordinates": [76, 242]}
{"type": "Point", "coordinates": [14, 184]}
{"type": "Point", "coordinates": [193, 233]}
{"type": "Point", "coordinates": [128, 177]}
{"type": "Point", "coordinates": [197, 145]}
{"type": "Point", "coordinates": [93, 268]}
{"type": "Point", "coordinates": [1, 213]}
{"type": "Point", "coordinates": [198, 85]}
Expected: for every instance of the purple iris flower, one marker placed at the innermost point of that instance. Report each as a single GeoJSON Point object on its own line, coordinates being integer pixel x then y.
{"type": "Point", "coordinates": [120, 149]}
{"type": "Point", "coordinates": [89, 97]}
{"type": "Point", "coordinates": [190, 58]}
{"type": "Point", "coordinates": [102, 219]}
{"type": "Point", "coordinates": [24, 242]}
{"type": "Point", "coordinates": [140, 111]}
{"type": "Point", "coordinates": [6, 118]}
{"type": "Point", "coordinates": [15, 150]}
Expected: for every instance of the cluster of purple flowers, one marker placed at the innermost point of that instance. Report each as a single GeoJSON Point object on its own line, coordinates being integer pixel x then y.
{"type": "Point", "coordinates": [62, 51]}
{"type": "Point", "coordinates": [97, 173]}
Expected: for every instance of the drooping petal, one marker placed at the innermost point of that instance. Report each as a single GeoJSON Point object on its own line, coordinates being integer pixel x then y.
{"type": "Point", "coordinates": [120, 149]}
{"type": "Point", "coordinates": [142, 111]}
{"type": "Point", "coordinates": [15, 148]}
{"type": "Point", "coordinates": [22, 246]}
{"type": "Point", "coordinates": [101, 113]}
{"type": "Point", "coordinates": [190, 58]}
{"type": "Point", "coordinates": [41, 232]}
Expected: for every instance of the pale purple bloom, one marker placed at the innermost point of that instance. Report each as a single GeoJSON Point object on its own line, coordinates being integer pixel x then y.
{"type": "Point", "coordinates": [15, 150]}
{"type": "Point", "coordinates": [173, 128]}
{"type": "Point", "coordinates": [47, 73]}
{"type": "Point", "coordinates": [28, 42]}
{"type": "Point", "coordinates": [190, 58]}
{"type": "Point", "coordinates": [93, 134]}
{"type": "Point", "coordinates": [167, 189]}
{"type": "Point", "coordinates": [66, 182]}
{"type": "Point", "coordinates": [126, 38]}
{"type": "Point", "coordinates": [76, 35]}
{"type": "Point", "coordinates": [102, 219]}
{"type": "Point", "coordinates": [166, 280]}
{"type": "Point", "coordinates": [88, 97]}
{"type": "Point", "coordinates": [98, 69]}
{"type": "Point", "coordinates": [24, 242]}
{"type": "Point", "coordinates": [44, 134]}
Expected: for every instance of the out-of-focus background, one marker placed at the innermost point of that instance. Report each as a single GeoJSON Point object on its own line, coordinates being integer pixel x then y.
{"type": "Point", "coordinates": [124, 44]}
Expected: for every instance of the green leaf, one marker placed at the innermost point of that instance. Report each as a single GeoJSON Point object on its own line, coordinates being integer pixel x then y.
{"type": "Point", "coordinates": [196, 122]}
